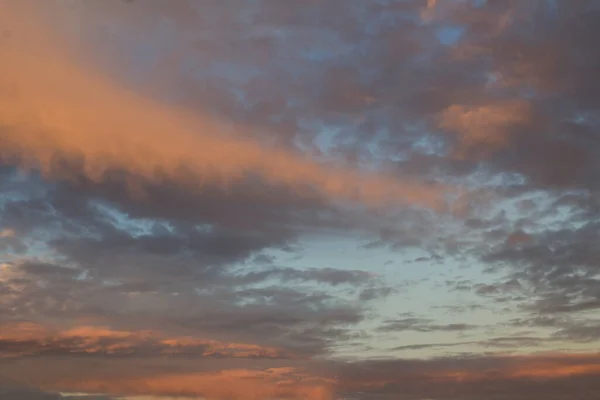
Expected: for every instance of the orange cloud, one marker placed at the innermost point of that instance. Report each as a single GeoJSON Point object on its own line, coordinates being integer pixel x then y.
{"type": "Point", "coordinates": [527, 368]}
{"type": "Point", "coordinates": [30, 339]}
{"type": "Point", "coordinates": [467, 372]}
{"type": "Point", "coordinates": [487, 127]}
{"type": "Point", "coordinates": [531, 370]}
{"type": "Point", "coordinates": [58, 107]}
{"type": "Point", "coordinates": [274, 383]}
{"type": "Point", "coordinates": [428, 12]}
{"type": "Point", "coordinates": [292, 379]}
{"type": "Point", "coordinates": [294, 383]}
{"type": "Point", "coordinates": [558, 366]}
{"type": "Point", "coordinates": [7, 233]}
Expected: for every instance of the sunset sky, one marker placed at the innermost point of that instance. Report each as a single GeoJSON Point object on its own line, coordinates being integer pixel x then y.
{"type": "Point", "coordinates": [299, 199]}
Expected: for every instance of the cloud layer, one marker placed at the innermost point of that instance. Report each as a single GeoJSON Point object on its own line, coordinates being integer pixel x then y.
{"type": "Point", "coordinates": [304, 200]}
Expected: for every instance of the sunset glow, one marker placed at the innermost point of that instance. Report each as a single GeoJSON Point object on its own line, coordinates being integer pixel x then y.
{"type": "Point", "coordinates": [299, 200]}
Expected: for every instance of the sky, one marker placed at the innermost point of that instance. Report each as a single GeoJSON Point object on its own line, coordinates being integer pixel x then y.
{"type": "Point", "coordinates": [300, 200]}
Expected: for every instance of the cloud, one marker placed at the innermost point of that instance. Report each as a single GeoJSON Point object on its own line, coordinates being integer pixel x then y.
{"type": "Point", "coordinates": [225, 384]}
{"type": "Point", "coordinates": [529, 377]}
{"type": "Point", "coordinates": [112, 277]}
{"type": "Point", "coordinates": [128, 273]}
{"type": "Point", "coordinates": [190, 151]}
{"type": "Point", "coordinates": [485, 127]}
{"type": "Point", "coordinates": [7, 233]}
{"type": "Point", "coordinates": [98, 126]}
{"type": "Point", "coordinates": [497, 377]}
{"type": "Point", "coordinates": [303, 320]}
{"type": "Point", "coordinates": [27, 339]}
{"type": "Point", "coordinates": [558, 265]}
{"type": "Point", "coordinates": [10, 389]}
{"type": "Point", "coordinates": [422, 325]}
{"type": "Point", "coordinates": [514, 343]}
{"type": "Point", "coordinates": [429, 10]}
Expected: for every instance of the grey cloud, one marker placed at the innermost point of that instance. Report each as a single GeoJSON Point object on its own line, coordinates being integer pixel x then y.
{"type": "Point", "coordinates": [510, 342]}
{"type": "Point", "coordinates": [193, 273]}
{"type": "Point", "coordinates": [559, 266]}
{"type": "Point", "coordinates": [540, 321]}
{"type": "Point", "coordinates": [417, 379]}
{"type": "Point", "coordinates": [460, 309]}
{"type": "Point", "coordinates": [330, 276]}
{"type": "Point", "coordinates": [585, 331]}
{"type": "Point", "coordinates": [423, 325]}
{"type": "Point", "coordinates": [15, 390]}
